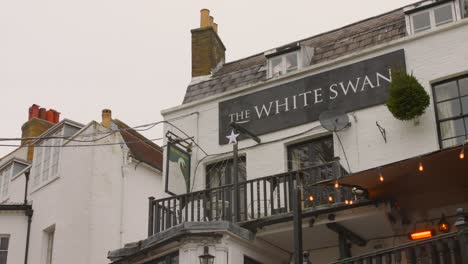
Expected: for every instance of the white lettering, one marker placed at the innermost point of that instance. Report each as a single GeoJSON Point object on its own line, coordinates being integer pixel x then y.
{"type": "Point", "coordinates": [264, 109]}
{"type": "Point", "coordinates": [350, 84]}
{"type": "Point", "coordinates": [389, 79]}
{"type": "Point", "coordinates": [333, 91]}
{"type": "Point", "coordinates": [317, 95]}
{"type": "Point", "coordinates": [305, 97]}
{"type": "Point", "coordinates": [278, 105]}
{"type": "Point", "coordinates": [367, 81]}
{"type": "Point", "coordinates": [294, 102]}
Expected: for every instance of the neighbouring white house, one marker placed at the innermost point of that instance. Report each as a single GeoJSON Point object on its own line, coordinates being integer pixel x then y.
{"type": "Point", "coordinates": [73, 192]}
{"type": "Point", "coordinates": [318, 152]}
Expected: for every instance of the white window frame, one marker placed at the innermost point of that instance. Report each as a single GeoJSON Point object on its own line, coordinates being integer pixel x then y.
{"type": "Point", "coordinates": [49, 236]}
{"type": "Point", "coordinates": [45, 166]}
{"type": "Point", "coordinates": [5, 179]}
{"type": "Point", "coordinates": [432, 17]}
{"type": "Point", "coordinates": [283, 63]}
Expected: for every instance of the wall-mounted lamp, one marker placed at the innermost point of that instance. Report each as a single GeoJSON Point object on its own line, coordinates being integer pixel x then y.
{"type": "Point", "coordinates": [444, 226]}
{"type": "Point", "coordinates": [206, 258]}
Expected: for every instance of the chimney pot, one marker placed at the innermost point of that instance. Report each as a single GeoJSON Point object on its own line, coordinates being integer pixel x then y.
{"type": "Point", "coordinates": [42, 113]}
{"type": "Point", "coordinates": [211, 21]}
{"type": "Point", "coordinates": [204, 18]}
{"type": "Point", "coordinates": [215, 27]}
{"type": "Point", "coordinates": [106, 118]}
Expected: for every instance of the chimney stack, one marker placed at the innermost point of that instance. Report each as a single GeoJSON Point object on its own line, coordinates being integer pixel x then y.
{"type": "Point", "coordinates": [106, 118]}
{"type": "Point", "coordinates": [39, 121]}
{"type": "Point", "coordinates": [208, 50]}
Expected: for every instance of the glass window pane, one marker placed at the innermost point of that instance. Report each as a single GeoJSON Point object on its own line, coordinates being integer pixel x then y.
{"type": "Point", "coordinates": [291, 62]}
{"type": "Point", "coordinates": [276, 67]}
{"type": "Point", "coordinates": [464, 101]}
{"type": "Point", "coordinates": [452, 128]}
{"type": "Point", "coordinates": [299, 157]}
{"type": "Point", "coordinates": [453, 142]}
{"type": "Point", "coordinates": [3, 257]}
{"type": "Point", "coordinates": [443, 15]}
{"type": "Point", "coordinates": [463, 83]}
{"type": "Point", "coordinates": [4, 243]}
{"type": "Point", "coordinates": [421, 22]}
{"type": "Point", "coordinates": [449, 109]}
{"type": "Point", "coordinates": [446, 91]}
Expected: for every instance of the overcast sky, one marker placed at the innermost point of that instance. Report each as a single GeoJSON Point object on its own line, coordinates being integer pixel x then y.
{"type": "Point", "coordinates": [133, 56]}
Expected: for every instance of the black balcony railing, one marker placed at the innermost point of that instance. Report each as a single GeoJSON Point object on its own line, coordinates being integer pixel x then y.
{"type": "Point", "coordinates": [258, 198]}
{"type": "Point", "coordinates": [443, 249]}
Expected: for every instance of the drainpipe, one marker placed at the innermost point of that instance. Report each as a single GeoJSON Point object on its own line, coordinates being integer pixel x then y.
{"type": "Point", "coordinates": [29, 214]}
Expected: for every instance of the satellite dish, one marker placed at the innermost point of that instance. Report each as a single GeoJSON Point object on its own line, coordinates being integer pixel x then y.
{"type": "Point", "coordinates": [334, 120]}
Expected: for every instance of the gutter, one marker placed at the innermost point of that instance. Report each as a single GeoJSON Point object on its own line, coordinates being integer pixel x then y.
{"type": "Point", "coordinates": [29, 213]}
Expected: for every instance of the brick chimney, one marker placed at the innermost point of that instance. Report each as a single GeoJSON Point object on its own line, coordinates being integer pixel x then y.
{"type": "Point", "coordinates": [39, 121]}
{"type": "Point", "coordinates": [208, 50]}
{"type": "Point", "coordinates": [106, 118]}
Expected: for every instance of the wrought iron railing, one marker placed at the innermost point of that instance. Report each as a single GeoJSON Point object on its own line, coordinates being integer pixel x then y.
{"type": "Point", "coordinates": [258, 198]}
{"type": "Point", "coordinates": [443, 249]}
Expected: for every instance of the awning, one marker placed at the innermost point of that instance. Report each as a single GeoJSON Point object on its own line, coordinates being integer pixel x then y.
{"type": "Point", "coordinates": [444, 180]}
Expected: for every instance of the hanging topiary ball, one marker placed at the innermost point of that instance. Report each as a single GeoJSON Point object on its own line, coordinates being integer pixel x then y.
{"type": "Point", "coordinates": [407, 99]}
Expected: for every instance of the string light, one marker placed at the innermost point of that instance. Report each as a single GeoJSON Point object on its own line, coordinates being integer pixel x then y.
{"type": "Point", "coordinates": [351, 202]}
{"type": "Point", "coordinates": [421, 167]}
{"type": "Point", "coordinates": [381, 178]}
{"type": "Point", "coordinates": [346, 201]}
{"type": "Point", "coordinates": [311, 198]}
{"type": "Point", "coordinates": [462, 152]}
{"type": "Point", "coordinates": [337, 185]}
{"type": "Point", "coordinates": [330, 198]}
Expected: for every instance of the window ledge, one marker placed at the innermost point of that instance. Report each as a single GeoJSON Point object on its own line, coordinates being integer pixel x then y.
{"type": "Point", "coordinates": [42, 185]}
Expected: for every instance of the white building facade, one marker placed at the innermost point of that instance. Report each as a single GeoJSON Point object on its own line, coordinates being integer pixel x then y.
{"type": "Point", "coordinates": [346, 70]}
{"type": "Point", "coordinates": [86, 189]}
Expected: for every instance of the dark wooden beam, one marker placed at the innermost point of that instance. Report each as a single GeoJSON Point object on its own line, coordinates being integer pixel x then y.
{"type": "Point", "coordinates": [350, 235]}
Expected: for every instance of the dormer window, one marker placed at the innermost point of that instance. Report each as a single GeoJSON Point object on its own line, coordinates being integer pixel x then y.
{"type": "Point", "coordinates": [283, 60]}
{"type": "Point", "coordinates": [430, 16]}
{"type": "Point", "coordinates": [283, 64]}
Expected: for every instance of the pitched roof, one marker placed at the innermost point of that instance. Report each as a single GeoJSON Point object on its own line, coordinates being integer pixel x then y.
{"type": "Point", "coordinates": [327, 46]}
{"type": "Point", "coordinates": [140, 147]}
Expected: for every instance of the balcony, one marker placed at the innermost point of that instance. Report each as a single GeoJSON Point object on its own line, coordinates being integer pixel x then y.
{"type": "Point", "coordinates": [259, 199]}
{"type": "Point", "coordinates": [444, 249]}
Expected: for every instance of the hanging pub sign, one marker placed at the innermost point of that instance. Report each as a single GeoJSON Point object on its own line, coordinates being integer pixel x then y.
{"type": "Point", "coordinates": [348, 88]}
{"type": "Point", "coordinates": [177, 170]}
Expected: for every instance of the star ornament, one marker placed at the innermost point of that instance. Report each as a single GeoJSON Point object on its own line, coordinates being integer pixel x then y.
{"type": "Point", "coordinates": [232, 138]}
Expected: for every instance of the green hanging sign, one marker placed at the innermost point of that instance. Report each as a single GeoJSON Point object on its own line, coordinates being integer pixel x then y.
{"type": "Point", "coordinates": [177, 170]}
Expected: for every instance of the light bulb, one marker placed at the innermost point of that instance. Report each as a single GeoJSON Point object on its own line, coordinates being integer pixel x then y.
{"type": "Point", "coordinates": [351, 202]}
{"type": "Point", "coordinates": [381, 178]}
{"type": "Point", "coordinates": [337, 185]}
{"type": "Point", "coordinates": [462, 153]}
{"type": "Point", "coordinates": [346, 202]}
{"type": "Point", "coordinates": [311, 198]}
{"type": "Point", "coordinates": [330, 198]}
{"type": "Point", "coordinates": [421, 167]}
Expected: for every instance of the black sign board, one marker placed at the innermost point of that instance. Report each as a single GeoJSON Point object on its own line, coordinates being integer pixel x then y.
{"type": "Point", "coordinates": [356, 86]}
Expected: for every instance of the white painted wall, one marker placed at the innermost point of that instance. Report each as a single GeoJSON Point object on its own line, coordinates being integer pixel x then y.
{"type": "Point", "coordinates": [98, 203]}
{"type": "Point", "coordinates": [14, 224]}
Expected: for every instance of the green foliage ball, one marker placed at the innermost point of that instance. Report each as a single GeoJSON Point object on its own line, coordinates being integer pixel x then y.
{"type": "Point", "coordinates": [407, 99]}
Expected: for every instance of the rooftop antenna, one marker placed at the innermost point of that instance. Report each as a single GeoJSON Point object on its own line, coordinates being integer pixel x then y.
{"type": "Point", "coordinates": [334, 121]}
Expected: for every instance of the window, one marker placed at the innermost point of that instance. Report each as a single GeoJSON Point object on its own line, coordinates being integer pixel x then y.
{"type": "Point", "coordinates": [46, 160]}
{"type": "Point", "coordinates": [283, 64]}
{"type": "Point", "coordinates": [434, 17]}
{"type": "Point", "coordinates": [49, 244]}
{"type": "Point", "coordinates": [221, 174]}
{"type": "Point", "coordinates": [4, 241]}
{"type": "Point", "coordinates": [172, 258]}
{"type": "Point", "coordinates": [451, 100]}
{"type": "Point", "coordinates": [310, 153]}
{"type": "Point", "coordinates": [5, 176]}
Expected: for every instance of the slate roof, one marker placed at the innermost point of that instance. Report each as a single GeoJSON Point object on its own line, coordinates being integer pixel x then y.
{"type": "Point", "coordinates": [140, 147]}
{"type": "Point", "coordinates": [327, 46]}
